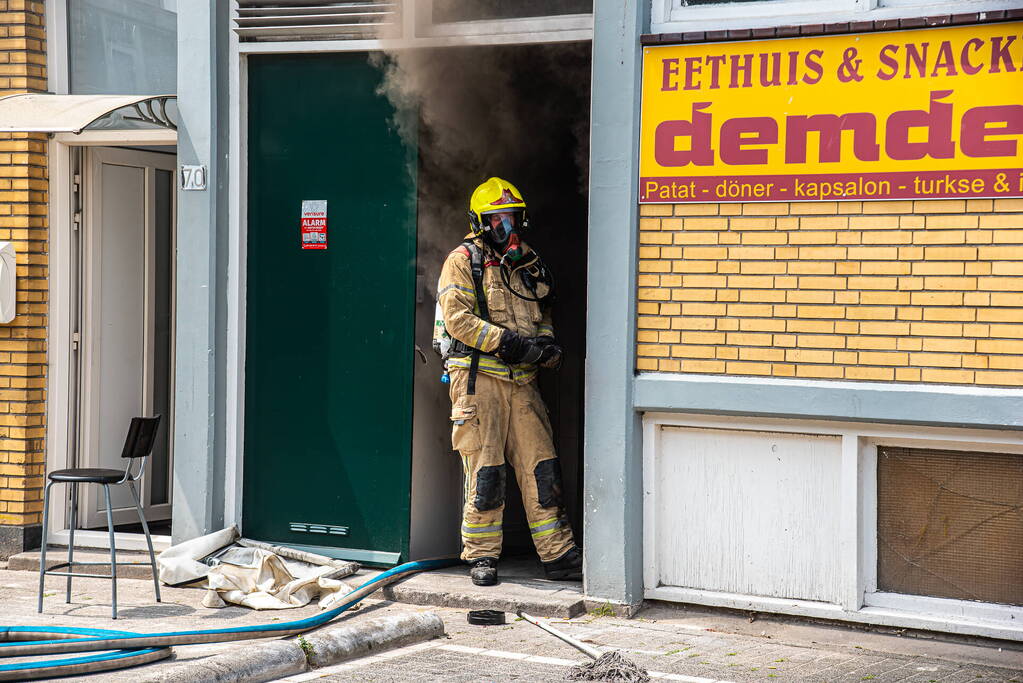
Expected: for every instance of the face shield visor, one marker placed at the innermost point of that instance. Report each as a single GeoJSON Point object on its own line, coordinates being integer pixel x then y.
{"type": "Point", "coordinates": [503, 232]}
{"type": "Point", "coordinates": [502, 224]}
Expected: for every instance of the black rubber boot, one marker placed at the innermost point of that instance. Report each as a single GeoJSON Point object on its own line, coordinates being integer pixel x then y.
{"type": "Point", "coordinates": [483, 571]}
{"type": "Point", "coordinates": [568, 567]}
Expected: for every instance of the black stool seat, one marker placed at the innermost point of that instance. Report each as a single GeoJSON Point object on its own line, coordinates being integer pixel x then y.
{"type": "Point", "coordinates": [91, 475]}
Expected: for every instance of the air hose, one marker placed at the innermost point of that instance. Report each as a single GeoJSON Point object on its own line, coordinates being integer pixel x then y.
{"type": "Point", "coordinates": [121, 649]}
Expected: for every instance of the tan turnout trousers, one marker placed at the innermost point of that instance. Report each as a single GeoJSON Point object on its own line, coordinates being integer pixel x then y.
{"type": "Point", "coordinates": [506, 422]}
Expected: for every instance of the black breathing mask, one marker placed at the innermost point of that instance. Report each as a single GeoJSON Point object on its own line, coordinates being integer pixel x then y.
{"type": "Point", "coordinates": [503, 234]}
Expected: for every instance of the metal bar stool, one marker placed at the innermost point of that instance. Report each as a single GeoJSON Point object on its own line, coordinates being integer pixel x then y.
{"type": "Point", "coordinates": [138, 445]}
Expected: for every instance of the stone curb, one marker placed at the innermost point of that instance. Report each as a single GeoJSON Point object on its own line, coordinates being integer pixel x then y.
{"type": "Point", "coordinates": [540, 598]}
{"type": "Point", "coordinates": [29, 561]}
{"type": "Point", "coordinates": [331, 646]}
{"type": "Point", "coordinates": [265, 661]}
{"type": "Point", "coordinates": [268, 661]}
{"type": "Point", "coordinates": [506, 601]}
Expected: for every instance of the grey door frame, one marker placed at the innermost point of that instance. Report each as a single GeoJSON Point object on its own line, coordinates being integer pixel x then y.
{"type": "Point", "coordinates": [211, 344]}
{"type": "Point", "coordinates": [61, 382]}
{"type": "Point", "coordinates": [90, 270]}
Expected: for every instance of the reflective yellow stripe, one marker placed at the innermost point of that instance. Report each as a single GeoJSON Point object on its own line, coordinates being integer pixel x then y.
{"type": "Point", "coordinates": [481, 529]}
{"type": "Point", "coordinates": [485, 362]}
{"type": "Point", "coordinates": [494, 367]}
{"type": "Point", "coordinates": [494, 364]}
{"type": "Point", "coordinates": [460, 288]}
{"type": "Point", "coordinates": [485, 359]}
{"type": "Point", "coordinates": [485, 365]}
{"type": "Point", "coordinates": [484, 331]}
{"type": "Point", "coordinates": [545, 527]}
{"type": "Point", "coordinates": [482, 534]}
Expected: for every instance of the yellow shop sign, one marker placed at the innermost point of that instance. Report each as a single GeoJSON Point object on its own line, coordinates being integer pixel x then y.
{"type": "Point", "coordinates": [924, 114]}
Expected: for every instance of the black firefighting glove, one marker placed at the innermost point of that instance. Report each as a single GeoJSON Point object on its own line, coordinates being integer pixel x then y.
{"type": "Point", "coordinates": [516, 349]}
{"type": "Point", "coordinates": [552, 353]}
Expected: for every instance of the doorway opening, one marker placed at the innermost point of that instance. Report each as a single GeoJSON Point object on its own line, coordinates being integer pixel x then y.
{"type": "Point", "coordinates": [519, 112]}
{"type": "Point", "coordinates": [122, 261]}
{"type": "Point", "coordinates": [337, 332]}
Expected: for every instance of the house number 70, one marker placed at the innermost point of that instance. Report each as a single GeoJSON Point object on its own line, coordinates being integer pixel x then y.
{"type": "Point", "coordinates": [192, 177]}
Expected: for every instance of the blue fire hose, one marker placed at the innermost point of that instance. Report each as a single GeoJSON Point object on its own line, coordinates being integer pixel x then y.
{"type": "Point", "coordinates": [121, 649]}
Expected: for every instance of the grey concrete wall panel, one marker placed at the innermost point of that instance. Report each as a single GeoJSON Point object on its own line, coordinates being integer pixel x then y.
{"type": "Point", "coordinates": [613, 497]}
{"type": "Point", "coordinates": [436, 469]}
{"type": "Point", "coordinates": [18, 539]}
{"type": "Point", "coordinates": [198, 490]}
{"type": "Point", "coordinates": [942, 405]}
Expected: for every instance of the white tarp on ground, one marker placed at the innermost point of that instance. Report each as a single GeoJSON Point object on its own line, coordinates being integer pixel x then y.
{"type": "Point", "coordinates": [253, 577]}
{"type": "Point", "coordinates": [180, 564]}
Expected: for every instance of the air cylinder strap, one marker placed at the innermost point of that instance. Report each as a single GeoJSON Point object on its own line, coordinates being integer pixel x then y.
{"type": "Point", "coordinates": [476, 262]}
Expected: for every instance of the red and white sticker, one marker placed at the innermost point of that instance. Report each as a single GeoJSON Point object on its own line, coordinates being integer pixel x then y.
{"type": "Point", "coordinates": [314, 224]}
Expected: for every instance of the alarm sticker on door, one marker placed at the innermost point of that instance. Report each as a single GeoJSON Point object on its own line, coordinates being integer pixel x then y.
{"type": "Point", "coordinates": [314, 224]}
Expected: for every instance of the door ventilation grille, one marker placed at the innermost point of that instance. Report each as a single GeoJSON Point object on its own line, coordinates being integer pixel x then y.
{"type": "Point", "coordinates": [285, 20]}
{"type": "Point", "coordinates": [306, 527]}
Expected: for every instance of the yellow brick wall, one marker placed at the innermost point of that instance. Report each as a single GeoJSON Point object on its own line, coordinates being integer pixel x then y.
{"type": "Point", "coordinates": [926, 291]}
{"type": "Point", "coordinates": [23, 202]}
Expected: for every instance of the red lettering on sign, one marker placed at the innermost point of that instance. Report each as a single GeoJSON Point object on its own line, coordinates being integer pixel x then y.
{"type": "Point", "coordinates": [975, 130]}
{"type": "Point", "coordinates": [698, 131]}
{"type": "Point", "coordinates": [670, 69]}
{"type": "Point", "coordinates": [977, 127]}
{"type": "Point", "coordinates": [830, 127]}
{"type": "Point", "coordinates": [753, 130]}
{"type": "Point", "coordinates": [937, 121]}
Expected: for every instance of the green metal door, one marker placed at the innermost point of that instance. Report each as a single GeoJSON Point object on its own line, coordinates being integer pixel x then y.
{"type": "Point", "coordinates": [329, 335]}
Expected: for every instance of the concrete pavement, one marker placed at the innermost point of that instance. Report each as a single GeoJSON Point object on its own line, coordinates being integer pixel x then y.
{"type": "Point", "coordinates": [698, 646]}
{"type": "Point", "coordinates": [686, 644]}
{"type": "Point", "coordinates": [181, 610]}
{"type": "Point", "coordinates": [523, 588]}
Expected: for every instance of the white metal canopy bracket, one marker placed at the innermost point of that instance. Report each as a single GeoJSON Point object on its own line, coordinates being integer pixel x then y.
{"type": "Point", "coordinates": [32, 113]}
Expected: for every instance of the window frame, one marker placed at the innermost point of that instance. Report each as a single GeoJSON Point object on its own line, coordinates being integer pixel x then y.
{"type": "Point", "coordinates": [670, 16]}
{"type": "Point", "coordinates": [860, 601]}
{"type": "Point", "coordinates": [58, 52]}
{"type": "Point", "coordinates": [425, 10]}
{"type": "Point", "coordinates": [873, 597]}
{"type": "Point", "coordinates": [552, 28]}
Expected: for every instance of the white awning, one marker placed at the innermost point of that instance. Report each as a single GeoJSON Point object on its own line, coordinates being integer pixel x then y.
{"type": "Point", "coordinates": [31, 113]}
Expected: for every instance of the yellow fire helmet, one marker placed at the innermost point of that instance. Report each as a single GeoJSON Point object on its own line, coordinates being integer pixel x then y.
{"type": "Point", "coordinates": [492, 196]}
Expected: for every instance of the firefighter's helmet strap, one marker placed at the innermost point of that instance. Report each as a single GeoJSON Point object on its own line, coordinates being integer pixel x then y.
{"type": "Point", "coordinates": [475, 224]}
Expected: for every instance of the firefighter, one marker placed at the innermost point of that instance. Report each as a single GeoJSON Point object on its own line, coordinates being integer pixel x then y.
{"type": "Point", "coordinates": [492, 292]}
